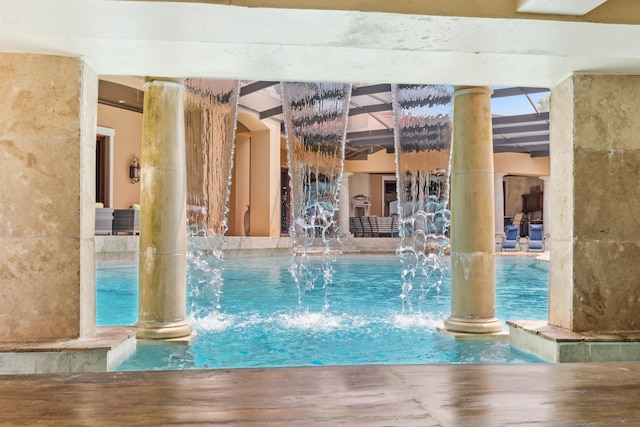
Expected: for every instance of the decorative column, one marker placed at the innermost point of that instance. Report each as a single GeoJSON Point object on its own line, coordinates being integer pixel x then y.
{"type": "Point", "coordinates": [546, 209]}
{"type": "Point", "coordinates": [472, 210]}
{"type": "Point", "coordinates": [162, 299]}
{"type": "Point", "coordinates": [344, 205]}
{"type": "Point", "coordinates": [498, 204]}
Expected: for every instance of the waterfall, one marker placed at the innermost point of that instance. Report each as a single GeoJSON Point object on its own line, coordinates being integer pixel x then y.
{"type": "Point", "coordinates": [423, 128]}
{"type": "Point", "coordinates": [315, 116]}
{"type": "Point", "coordinates": [211, 108]}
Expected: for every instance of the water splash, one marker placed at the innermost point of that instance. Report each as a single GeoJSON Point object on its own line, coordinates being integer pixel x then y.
{"type": "Point", "coordinates": [423, 125]}
{"type": "Point", "coordinates": [315, 117]}
{"type": "Point", "coordinates": [211, 108]}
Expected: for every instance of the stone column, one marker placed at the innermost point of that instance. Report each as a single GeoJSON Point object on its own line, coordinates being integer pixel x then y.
{"type": "Point", "coordinates": [47, 200]}
{"type": "Point", "coordinates": [162, 299]}
{"type": "Point", "coordinates": [498, 190]}
{"type": "Point", "coordinates": [472, 210]}
{"type": "Point", "coordinates": [344, 203]}
{"type": "Point", "coordinates": [595, 200]}
{"type": "Point", "coordinates": [546, 210]}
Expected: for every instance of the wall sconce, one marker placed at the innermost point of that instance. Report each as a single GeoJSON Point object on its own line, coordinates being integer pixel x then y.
{"type": "Point", "coordinates": [134, 169]}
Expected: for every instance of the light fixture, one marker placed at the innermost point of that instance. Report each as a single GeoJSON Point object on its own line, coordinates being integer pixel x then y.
{"type": "Point", "coordinates": [134, 169]}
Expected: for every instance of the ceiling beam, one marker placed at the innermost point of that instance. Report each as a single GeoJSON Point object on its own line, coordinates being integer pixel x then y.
{"type": "Point", "coordinates": [384, 142]}
{"type": "Point", "coordinates": [368, 109]}
{"type": "Point", "coordinates": [515, 91]}
{"type": "Point", "coordinates": [369, 134]}
{"type": "Point", "coordinates": [506, 120]}
{"type": "Point", "coordinates": [271, 112]}
{"type": "Point", "coordinates": [520, 139]}
{"type": "Point", "coordinates": [558, 7]}
{"type": "Point", "coordinates": [255, 87]}
{"type": "Point", "coordinates": [521, 128]}
{"type": "Point", "coordinates": [370, 90]}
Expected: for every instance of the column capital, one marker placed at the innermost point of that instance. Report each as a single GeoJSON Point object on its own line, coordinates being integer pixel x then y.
{"type": "Point", "coordinates": [149, 79]}
{"type": "Point", "coordinates": [470, 90]}
{"type": "Point", "coordinates": [545, 179]}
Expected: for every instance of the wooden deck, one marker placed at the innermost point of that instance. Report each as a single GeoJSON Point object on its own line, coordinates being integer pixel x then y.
{"type": "Point", "coordinates": [383, 395]}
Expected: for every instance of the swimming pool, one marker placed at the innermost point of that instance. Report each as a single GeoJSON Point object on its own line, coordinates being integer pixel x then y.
{"type": "Point", "coordinates": [261, 324]}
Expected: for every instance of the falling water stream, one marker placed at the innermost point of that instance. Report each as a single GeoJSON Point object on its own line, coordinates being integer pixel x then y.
{"type": "Point", "coordinates": [423, 120]}
{"type": "Point", "coordinates": [315, 121]}
{"type": "Point", "coordinates": [210, 123]}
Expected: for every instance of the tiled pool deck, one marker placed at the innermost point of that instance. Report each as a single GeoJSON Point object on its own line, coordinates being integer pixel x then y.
{"type": "Point", "coordinates": [598, 394]}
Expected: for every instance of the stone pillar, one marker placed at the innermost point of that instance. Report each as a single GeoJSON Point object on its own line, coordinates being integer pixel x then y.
{"type": "Point", "coordinates": [472, 210]}
{"type": "Point", "coordinates": [546, 210]}
{"type": "Point", "coordinates": [595, 200]}
{"type": "Point", "coordinates": [344, 203]}
{"type": "Point", "coordinates": [47, 210]}
{"type": "Point", "coordinates": [265, 181]}
{"type": "Point", "coordinates": [162, 299]}
{"type": "Point", "coordinates": [498, 190]}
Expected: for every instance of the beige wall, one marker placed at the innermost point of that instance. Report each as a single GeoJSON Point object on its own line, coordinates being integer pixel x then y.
{"type": "Point", "coordinates": [515, 187]}
{"type": "Point", "coordinates": [520, 164]}
{"type": "Point", "coordinates": [239, 198]}
{"type": "Point", "coordinates": [127, 141]}
{"type": "Point", "coordinates": [375, 187]}
{"type": "Point", "coordinates": [381, 162]}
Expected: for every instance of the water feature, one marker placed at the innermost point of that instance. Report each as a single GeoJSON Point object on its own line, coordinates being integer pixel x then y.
{"type": "Point", "coordinates": [210, 122]}
{"type": "Point", "coordinates": [315, 117]}
{"type": "Point", "coordinates": [423, 124]}
{"type": "Point", "coordinates": [258, 324]}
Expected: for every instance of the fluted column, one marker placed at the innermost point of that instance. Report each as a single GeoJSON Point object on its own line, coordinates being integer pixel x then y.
{"type": "Point", "coordinates": [162, 298]}
{"type": "Point", "coordinates": [344, 203]}
{"type": "Point", "coordinates": [498, 204]}
{"type": "Point", "coordinates": [546, 210]}
{"type": "Point", "coordinates": [472, 209]}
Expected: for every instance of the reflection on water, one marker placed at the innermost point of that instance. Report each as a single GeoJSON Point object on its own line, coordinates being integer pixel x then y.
{"type": "Point", "coordinates": [260, 323]}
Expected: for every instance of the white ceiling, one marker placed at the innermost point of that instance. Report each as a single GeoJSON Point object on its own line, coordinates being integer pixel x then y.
{"type": "Point", "coordinates": [187, 39]}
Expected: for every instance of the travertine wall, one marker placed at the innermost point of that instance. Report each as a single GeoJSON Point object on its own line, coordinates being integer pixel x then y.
{"type": "Point", "coordinates": [47, 170]}
{"type": "Point", "coordinates": [595, 161]}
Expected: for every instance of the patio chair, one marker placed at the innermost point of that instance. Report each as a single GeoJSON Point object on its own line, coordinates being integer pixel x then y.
{"type": "Point", "coordinates": [536, 238]}
{"type": "Point", "coordinates": [355, 226]}
{"type": "Point", "coordinates": [511, 241]}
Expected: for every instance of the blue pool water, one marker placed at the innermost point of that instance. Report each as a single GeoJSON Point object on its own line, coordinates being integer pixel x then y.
{"type": "Point", "coordinates": [260, 322]}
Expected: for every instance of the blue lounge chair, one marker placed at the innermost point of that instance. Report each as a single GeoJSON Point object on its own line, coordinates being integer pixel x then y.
{"type": "Point", "coordinates": [512, 239]}
{"type": "Point", "coordinates": [536, 237]}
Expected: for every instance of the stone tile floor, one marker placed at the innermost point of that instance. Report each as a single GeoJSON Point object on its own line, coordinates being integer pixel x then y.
{"type": "Point", "coordinates": [382, 395]}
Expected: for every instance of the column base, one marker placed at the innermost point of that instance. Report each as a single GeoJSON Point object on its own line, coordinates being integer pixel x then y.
{"type": "Point", "coordinates": [163, 331]}
{"type": "Point", "coordinates": [473, 326]}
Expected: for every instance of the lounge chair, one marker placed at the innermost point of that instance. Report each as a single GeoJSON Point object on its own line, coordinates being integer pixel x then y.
{"type": "Point", "coordinates": [104, 220]}
{"type": "Point", "coordinates": [512, 239]}
{"type": "Point", "coordinates": [536, 238]}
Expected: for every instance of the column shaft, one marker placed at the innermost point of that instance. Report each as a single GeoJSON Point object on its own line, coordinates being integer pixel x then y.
{"type": "Point", "coordinates": [546, 212]}
{"type": "Point", "coordinates": [472, 209]}
{"type": "Point", "coordinates": [498, 189]}
{"type": "Point", "coordinates": [344, 203]}
{"type": "Point", "coordinates": [162, 299]}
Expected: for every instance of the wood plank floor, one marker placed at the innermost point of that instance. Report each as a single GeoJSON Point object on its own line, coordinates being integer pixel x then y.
{"type": "Point", "coordinates": [383, 395]}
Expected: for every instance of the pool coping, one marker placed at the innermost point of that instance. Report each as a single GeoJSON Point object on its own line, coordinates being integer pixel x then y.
{"type": "Point", "coordinates": [559, 345]}
{"type": "Point", "coordinates": [100, 351]}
